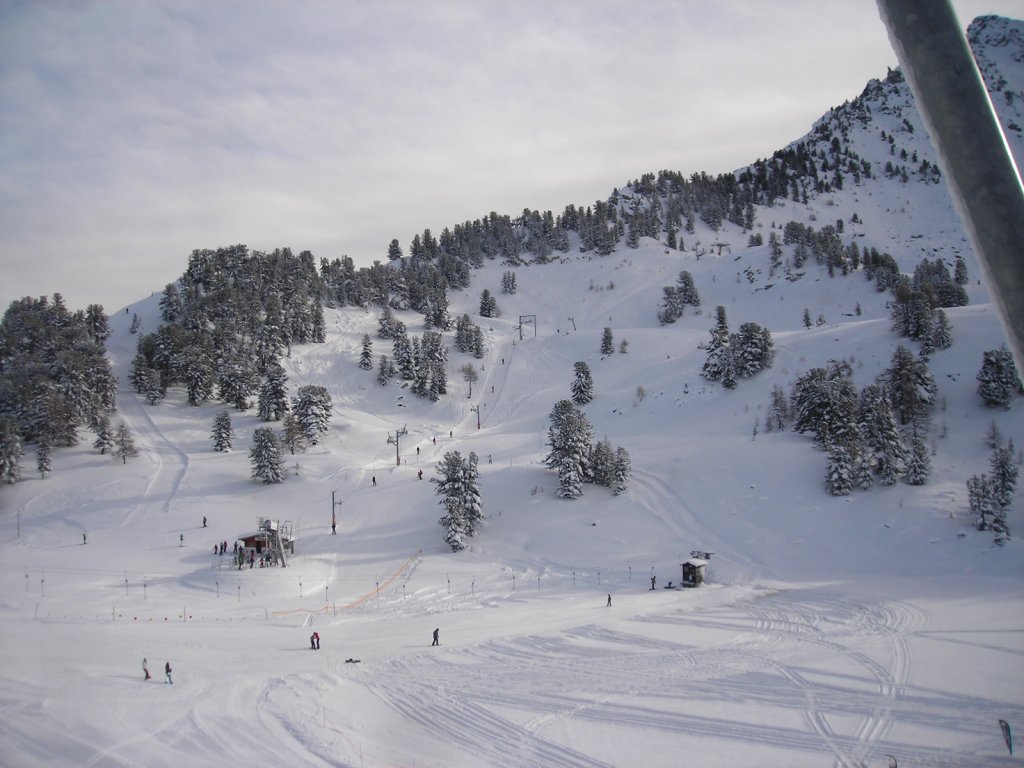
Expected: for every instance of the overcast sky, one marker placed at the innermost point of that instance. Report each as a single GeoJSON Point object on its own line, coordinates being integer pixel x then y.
{"type": "Point", "coordinates": [132, 132]}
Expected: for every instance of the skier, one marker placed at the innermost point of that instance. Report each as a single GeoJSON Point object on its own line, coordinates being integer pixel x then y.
{"type": "Point", "coordinates": [653, 581]}
{"type": "Point", "coordinates": [83, 537]}
{"type": "Point", "coordinates": [609, 601]}
{"type": "Point", "coordinates": [374, 481]}
{"type": "Point", "coordinates": [145, 668]}
{"type": "Point", "coordinates": [204, 521]}
{"type": "Point", "coordinates": [181, 539]}
{"type": "Point", "coordinates": [437, 641]}
{"type": "Point", "coordinates": [167, 673]}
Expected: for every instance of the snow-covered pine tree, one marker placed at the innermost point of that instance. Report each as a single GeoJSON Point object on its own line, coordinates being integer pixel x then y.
{"type": "Point", "coordinates": [719, 365]}
{"type": "Point", "coordinates": [602, 461]}
{"type": "Point", "coordinates": [104, 434]}
{"type": "Point", "coordinates": [825, 402]}
{"type": "Point", "coordinates": [1003, 475]}
{"type": "Point", "coordinates": [10, 450]}
{"type": "Point", "coordinates": [124, 444]}
{"type": "Point", "coordinates": [384, 370]}
{"type": "Point", "coordinates": [919, 465]}
{"type": "Point", "coordinates": [478, 342]}
{"type": "Point", "coordinates": [753, 349]}
{"type": "Point", "coordinates": [840, 472]}
{"type": "Point", "coordinates": [863, 474]}
{"type": "Point", "coordinates": [622, 469]}
{"type": "Point", "coordinates": [607, 342]}
{"type": "Point", "coordinates": [454, 523]}
{"type": "Point", "coordinates": [508, 282]}
{"type": "Point", "coordinates": [877, 426]}
{"type": "Point", "coordinates": [222, 431]}
{"type": "Point", "coordinates": [236, 380]}
{"type": "Point", "coordinates": [980, 500]}
{"type": "Point", "coordinates": [44, 455]}
{"type": "Point", "coordinates": [671, 305]}
{"type": "Point", "coordinates": [910, 385]}
{"type": "Point", "coordinates": [366, 356]}
{"type": "Point", "coordinates": [472, 501]}
{"type": "Point", "coordinates": [687, 289]}
{"type": "Point", "coordinates": [998, 379]}
{"type": "Point", "coordinates": [488, 304]}
{"type": "Point", "coordinates": [569, 437]}
{"type": "Point", "coordinates": [942, 332]}
{"type": "Point", "coordinates": [153, 386]}
{"type": "Point", "coordinates": [402, 353]}
{"type": "Point", "coordinates": [198, 372]}
{"type": "Point", "coordinates": [312, 407]}
{"type": "Point", "coordinates": [272, 403]}
{"type": "Point", "coordinates": [582, 387]}
{"type": "Point", "coordinates": [265, 456]}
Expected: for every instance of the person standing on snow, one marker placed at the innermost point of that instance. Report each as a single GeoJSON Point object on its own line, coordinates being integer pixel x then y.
{"type": "Point", "coordinates": [145, 668]}
{"type": "Point", "coordinates": [609, 601]}
{"type": "Point", "coordinates": [437, 641]}
{"type": "Point", "coordinates": [316, 638]}
{"type": "Point", "coordinates": [167, 673]}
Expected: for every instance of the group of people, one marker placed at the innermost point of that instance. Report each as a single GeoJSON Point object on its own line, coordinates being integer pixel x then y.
{"type": "Point", "coordinates": [167, 671]}
{"type": "Point", "coordinates": [314, 641]}
{"type": "Point", "coordinates": [220, 549]}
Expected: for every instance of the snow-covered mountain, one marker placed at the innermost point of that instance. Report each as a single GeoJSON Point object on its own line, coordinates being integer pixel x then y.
{"type": "Point", "coordinates": [835, 630]}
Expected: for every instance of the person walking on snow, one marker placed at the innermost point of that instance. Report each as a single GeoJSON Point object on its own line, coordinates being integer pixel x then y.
{"type": "Point", "coordinates": [145, 668]}
{"type": "Point", "coordinates": [167, 673]}
{"type": "Point", "coordinates": [437, 633]}
{"type": "Point", "coordinates": [609, 601]}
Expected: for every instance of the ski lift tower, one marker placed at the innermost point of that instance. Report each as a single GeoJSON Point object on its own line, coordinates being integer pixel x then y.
{"type": "Point", "coordinates": [527, 320]}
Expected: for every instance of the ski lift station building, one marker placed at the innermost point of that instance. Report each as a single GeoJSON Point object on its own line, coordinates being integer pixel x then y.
{"type": "Point", "coordinates": [693, 571]}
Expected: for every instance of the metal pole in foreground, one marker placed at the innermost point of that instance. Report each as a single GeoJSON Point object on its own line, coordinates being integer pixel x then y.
{"type": "Point", "coordinates": [984, 181]}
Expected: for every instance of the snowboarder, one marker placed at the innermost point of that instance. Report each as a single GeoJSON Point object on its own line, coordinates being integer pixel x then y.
{"type": "Point", "coordinates": [167, 673]}
{"type": "Point", "coordinates": [145, 668]}
{"type": "Point", "coordinates": [437, 634]}
{"type": "Point", "coordinates": [609, 601]}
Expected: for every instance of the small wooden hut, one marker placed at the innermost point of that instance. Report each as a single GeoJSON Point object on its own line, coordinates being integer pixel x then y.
{"type": "Point", "coordinates": [693, 572]}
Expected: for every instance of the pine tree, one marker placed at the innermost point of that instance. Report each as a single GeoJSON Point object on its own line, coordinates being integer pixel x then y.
{"type": "Point", "coordinates": [569, 437]}
{"type": "Point", "coordinates": [384, 371]}
{"type": "Point", "coordinates": [825, 402]}
{"type": "Point", "coordinates": [622, 469]}
{"type": "Point", "coordinates": [910, 385]}
{"type": "Point", "coordinates": [488, 304]}
{"type": "Point", "coordinates": [919, 466]}
{"type": "Point", "coordinates": [1003, 474]}
{"type": "Point", "coordinates": [753, 349]}
{"type": "Point", "coordinates": [104, 434]}
{"type": "Point", "coordinates": [312, 408]}
{"type": "Point", "coordinates": [687, 289]}
{"type": "Point", "coordinates": [366, 356]}
{"type": "Point", "coordinates": [582, 387]}
{"type": "Point", "coordinates": [124, 444]}
{"type": "Point", "coordinates": [980, 501]}
{"type": "Point", "coordinates": [602, 462]}
{"type": "Point", "coordinates": [222, 431]}
{"type": "Point", "coordinates": [607, 342]}
{"type": "Point", "coordinates": [44, 456]}
{"type": "Point", "coordinates": [997, 379]}
{"type": "Point", "coordinates": [839, 476]}
{"type": "Point", "coordinates": [454, 523]}
{"type": "Point", "coordinates": [272, 403]}
{"type": "Point", "coordinates": [877, 427]}
{"type": "Point", "coordinates": [265, 456]}
{"type": "Point", "coordinates": [671, 306]}
{"type": "Point", "coordinates": [942, 332]}
{"type": "Point", "coordinates": [10, 450]}
{"type": "Point", "coordinates": [719, 357]}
